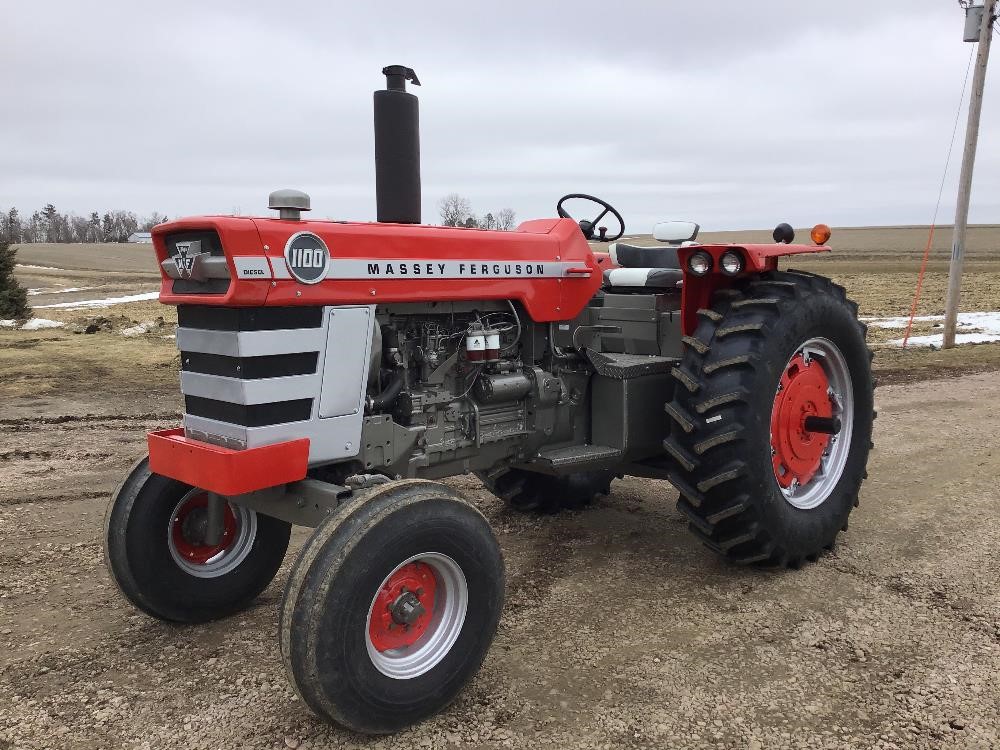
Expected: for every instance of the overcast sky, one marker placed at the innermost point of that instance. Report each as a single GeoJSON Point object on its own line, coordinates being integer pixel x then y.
{"type": "Point", "coordinates": [734, 114]}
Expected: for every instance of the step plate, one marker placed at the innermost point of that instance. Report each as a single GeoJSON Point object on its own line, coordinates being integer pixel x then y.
{"type": "Point", "coordinates": [580, 454]}
{"type": "Point", "coordinates": [626, 366]}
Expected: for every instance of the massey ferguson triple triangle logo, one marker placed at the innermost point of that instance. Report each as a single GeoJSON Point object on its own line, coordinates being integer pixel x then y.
{"type": "Point", "coordinates": [189, 260]}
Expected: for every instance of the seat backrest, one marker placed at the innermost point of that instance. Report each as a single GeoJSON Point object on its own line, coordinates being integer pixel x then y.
{"type": "Point", "coordinates": [632, 256]}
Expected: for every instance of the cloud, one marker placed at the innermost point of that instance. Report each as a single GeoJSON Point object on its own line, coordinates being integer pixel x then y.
{"type": "Point", "coordinates": [734, 114]}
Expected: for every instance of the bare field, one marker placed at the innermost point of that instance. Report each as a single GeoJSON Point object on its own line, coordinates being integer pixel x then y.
{"type": "Point", "coordinates": [105, 257]}
{"type": "Point", "coordinates": [620, 630]}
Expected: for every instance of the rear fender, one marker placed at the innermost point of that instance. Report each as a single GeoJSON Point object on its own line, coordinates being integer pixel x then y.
{"type": "Point", "coordinates": [697, 291]}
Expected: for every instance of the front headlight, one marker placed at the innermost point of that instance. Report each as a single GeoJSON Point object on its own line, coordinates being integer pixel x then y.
{"type": "Point", "coordinates": [700, 263]}
{"type": "Point", "coordinates": [731, 262]}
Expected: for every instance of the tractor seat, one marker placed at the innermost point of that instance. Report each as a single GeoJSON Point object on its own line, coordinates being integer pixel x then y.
{"type": "Point", "coordinates": [651, 267]}
{"type": "Point", "coordinates": [632, 256]}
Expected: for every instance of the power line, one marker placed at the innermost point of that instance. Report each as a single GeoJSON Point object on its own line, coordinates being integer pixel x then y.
{"type": "Point", "coordinates": [937, 207]}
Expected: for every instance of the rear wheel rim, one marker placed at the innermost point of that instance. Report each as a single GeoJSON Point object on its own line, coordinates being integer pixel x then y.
{"type": "Point", "coordinates": [430, 590]}
{"type": "Point", "coordinates": [816, 381]}
{"type": "Point", "coordinates": [185, 537]}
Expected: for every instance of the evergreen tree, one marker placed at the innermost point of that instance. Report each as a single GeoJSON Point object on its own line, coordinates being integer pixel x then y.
{"type": "Point", "coordinates": [13, 297]}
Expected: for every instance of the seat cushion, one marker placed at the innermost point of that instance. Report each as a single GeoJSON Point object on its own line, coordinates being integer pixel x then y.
{"type": "Point", "coordinates": [632, 256]}
{"type": "Point", "coordinates": [656, 278]}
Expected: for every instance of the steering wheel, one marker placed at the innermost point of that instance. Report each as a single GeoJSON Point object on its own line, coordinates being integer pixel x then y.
{"type": "Point", "coordinates": [587, 227]}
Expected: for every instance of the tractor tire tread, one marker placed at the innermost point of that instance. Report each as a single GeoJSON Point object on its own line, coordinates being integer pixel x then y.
{"type": "Point", "coordinates": [743, 360]}
{"type": "Point", "coordinates": [679, 415]}
{"type": "Point", "coordinates": [744, 328]}
{"type": "Point", "coordinates": [686, 379]}
{"type": "Point", "coordinates": [681, 455]}
{"type": "Point", "coordinates": [715, 441]}
{"type": "Point", "coordinates": [695, 343]}
{"type": "Point", "coordinates": [737, 396]}
{"type": "Point", "coordinates": [712, 315]}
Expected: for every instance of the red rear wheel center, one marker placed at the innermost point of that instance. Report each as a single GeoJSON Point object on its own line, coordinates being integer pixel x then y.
{"type": "Point", "coordinates": [187, 530]}
{"type": "Point", "coordinates": [394, 605]}
{"type": "Point", "coordinates": [803, 392]}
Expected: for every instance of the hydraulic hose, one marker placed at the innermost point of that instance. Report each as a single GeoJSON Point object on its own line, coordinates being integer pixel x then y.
{"type": "Point", "coordinates": [389, 394]}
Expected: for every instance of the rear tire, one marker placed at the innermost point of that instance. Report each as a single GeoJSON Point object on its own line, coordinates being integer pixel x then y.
{"type": "Point", "coordinates": [531, 492]}
{"type": "Point", "coordinates": [411, 549]}
{"type": "Point", "coordinates": [164, 571]}
{"type": "Point", "coordinates": [737, 464]}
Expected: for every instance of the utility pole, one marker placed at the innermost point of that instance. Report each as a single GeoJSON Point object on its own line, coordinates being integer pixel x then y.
{"type": "Point", "coordinates": [965, 181]}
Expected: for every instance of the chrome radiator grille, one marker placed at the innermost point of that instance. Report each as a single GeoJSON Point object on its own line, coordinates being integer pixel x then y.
{"type": "Point", "coordinates": [256, 376]}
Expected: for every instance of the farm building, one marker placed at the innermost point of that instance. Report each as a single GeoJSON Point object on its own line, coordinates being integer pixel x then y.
{"type": "Point", "coordinates": [141, 237]}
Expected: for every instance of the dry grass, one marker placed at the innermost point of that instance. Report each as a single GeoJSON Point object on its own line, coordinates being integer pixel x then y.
{"type": "Point", "coordinates": [54, 362]}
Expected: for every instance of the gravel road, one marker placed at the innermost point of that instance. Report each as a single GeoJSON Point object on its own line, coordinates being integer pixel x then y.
{"type": "Point", "coordinates": [619, 631]}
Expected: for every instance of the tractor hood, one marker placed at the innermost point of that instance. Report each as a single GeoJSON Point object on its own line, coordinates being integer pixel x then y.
{"type": "Point", "coordinates": [545, 264]}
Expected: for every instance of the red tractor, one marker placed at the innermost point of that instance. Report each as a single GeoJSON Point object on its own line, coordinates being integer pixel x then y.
{"type": "Point", "coordinates": [333, 371]}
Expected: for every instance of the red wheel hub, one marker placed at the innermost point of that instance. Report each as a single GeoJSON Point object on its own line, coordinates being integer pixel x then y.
{"type": "Point", "coordinates": [803, 392]}
{"type": "Point", "coordinates": [187, 529]}
{"type": "Point", "coordinates": [403, 607]}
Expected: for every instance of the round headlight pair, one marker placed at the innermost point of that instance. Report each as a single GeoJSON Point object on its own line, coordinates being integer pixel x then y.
{"type": "Point", "coordinates": [700, 263]}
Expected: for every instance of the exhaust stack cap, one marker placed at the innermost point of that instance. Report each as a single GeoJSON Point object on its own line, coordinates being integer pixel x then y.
{"type": "Point", "coordinates": [289, 203]}
{"type": "Point", "coordinates": [396, 77]}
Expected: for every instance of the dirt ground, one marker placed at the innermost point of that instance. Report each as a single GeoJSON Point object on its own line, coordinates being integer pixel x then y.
{"type": "Point", "coordinates": [620, 630]}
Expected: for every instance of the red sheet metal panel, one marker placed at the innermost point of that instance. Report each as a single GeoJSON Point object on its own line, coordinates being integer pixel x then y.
{"type": "Point", "coordinates": [223, 470]}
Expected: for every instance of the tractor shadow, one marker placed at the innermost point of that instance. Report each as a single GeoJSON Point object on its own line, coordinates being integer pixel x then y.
{"type": "Point", "coordinates": [632, 546]}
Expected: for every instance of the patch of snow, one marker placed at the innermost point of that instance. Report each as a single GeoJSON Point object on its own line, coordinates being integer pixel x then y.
{"type": "Point", "coordinates": [44, 268]}
{"type": "Point", "coordinates": [37, 324]}
{"type": "Point", "coordinates": [979, 328]}
{"type": "Point", "coordinates": [32, 292]}
{"type": "Point", "coordinates": [900, 322]}
{"type": "Point", "coordinates": [8, 323]}
{"type": "Point", "coordinates": [139, 330]}
{"type": "Point", "coordinates": [976, 319]}
{"type": "Point", "coordinates": [87, 304]}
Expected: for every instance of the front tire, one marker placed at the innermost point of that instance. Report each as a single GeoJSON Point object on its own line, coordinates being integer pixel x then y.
{"type": "Point", "coordinates": [391, 607]}
{"type": "Point", "coordinates": [162, 566]}
{"type": "Point", "coordinates": [756, 485]}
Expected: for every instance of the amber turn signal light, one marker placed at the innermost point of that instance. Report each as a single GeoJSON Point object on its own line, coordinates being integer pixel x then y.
{"type": "Point", "coordinates": [821, 234]}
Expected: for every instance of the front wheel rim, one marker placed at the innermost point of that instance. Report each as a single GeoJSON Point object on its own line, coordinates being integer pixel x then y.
{"type": "Point", "coordinates": [202, 560]}
{"type": "Point", "coordinates": [808, 466]}
{"type": "Point", "coordinates": [416, 615]}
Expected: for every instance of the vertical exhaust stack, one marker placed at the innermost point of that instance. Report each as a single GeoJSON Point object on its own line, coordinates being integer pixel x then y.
{"type": "Point", "coordinates": [397, 148]}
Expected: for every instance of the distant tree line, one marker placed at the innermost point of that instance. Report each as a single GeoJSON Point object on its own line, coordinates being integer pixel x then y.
{"type": "Point", "coordinates": [456, 211]}
{"type": "Point", "coordinates": [50, 225]}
